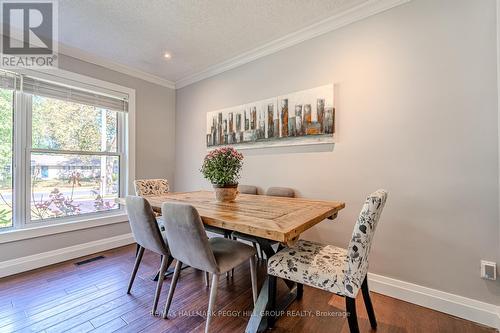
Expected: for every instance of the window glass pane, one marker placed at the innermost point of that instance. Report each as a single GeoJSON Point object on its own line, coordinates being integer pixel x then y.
{"type": "Point", "coordinates": [63, 125]}
{"type": "Point", "coordinates": [6, 155]}
{"type": "Point", "coordinates": [67, 185]}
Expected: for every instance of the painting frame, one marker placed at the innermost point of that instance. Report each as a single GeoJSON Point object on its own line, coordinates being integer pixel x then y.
{"type": "Point", "coordinates": [305, 117]}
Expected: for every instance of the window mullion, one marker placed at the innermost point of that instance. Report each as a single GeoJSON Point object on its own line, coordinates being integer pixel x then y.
{"type": "Point", "coordinates": [74, 152]}
{"type": "Point", "coordinates": [20, 141]}
{"type": "Point", "coordinates": [121, 148]}
{"type": "Point", "coordinates": [28, 108]}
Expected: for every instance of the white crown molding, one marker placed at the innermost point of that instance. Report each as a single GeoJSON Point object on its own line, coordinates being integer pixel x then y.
{"type": "Point", "coordinates": [455, 305]}
{"type": "Point", "coordinates": [106, 63]}
{"type": "Point", "coordinates": [100, 61]}
{"type": "Point", "coordinates": [352, 15]}
{"type": "Point", "coordinates": [357, 13]}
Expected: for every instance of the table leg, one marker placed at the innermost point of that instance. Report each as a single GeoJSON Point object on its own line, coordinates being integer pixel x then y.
{"type": "Point", "coordinates": [169, 271]}
{"type": "Point", "coordinates": [258, 320]}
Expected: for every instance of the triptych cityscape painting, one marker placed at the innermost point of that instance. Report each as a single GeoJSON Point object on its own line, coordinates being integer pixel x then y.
{"type": "Point", "coordinates": [303, 117]}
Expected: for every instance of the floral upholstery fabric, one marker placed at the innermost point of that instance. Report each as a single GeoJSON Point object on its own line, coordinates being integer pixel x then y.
{"type": "Point", "coordinates": [147, 187]}
{"type": "Point", "coordinates": [330, 268]}
{"type": "Point", "coordinates": [311, 263]}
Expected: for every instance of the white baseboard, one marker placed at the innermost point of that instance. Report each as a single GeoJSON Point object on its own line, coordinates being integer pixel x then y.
{"type": "Point", "coordinates": [38, 260]}
{"type": "Point", "coordinates": [463, 307]}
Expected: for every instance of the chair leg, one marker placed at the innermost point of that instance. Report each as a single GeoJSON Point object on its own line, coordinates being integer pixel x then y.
{"type": "Point", "coordinates": [350, 304]}
{"type": "Point", "coordinates": [253, 276]}
{"type": "Point", "coordinates": [138, 258]}
{"type": "Point", "coordinates": [256, 248]}
{"type": "Point", "coordinates": [169, 261]}
{"type": "Point", "coordinates": [271, 301]}
{"type": "Point", "coordinates": [178, 267]}
{"type": "Point", "coordinates": [207, 279]}
{"type": "Point", "coordinates": [368, 303]}
{"type": "Point", "coordinates": [212, 301]}
{"type": "Point", "coordinates": [163, 269]}
{"type": "Point", "coordinates": [300, 291]}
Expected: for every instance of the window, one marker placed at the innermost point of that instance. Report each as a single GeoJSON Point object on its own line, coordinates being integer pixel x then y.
{"type": "Point", "coordinates": [6, 157]}
{"type": "Point", "coordinates": [63, 150]}
{"type": "Point", "coordinates": [74, 159]}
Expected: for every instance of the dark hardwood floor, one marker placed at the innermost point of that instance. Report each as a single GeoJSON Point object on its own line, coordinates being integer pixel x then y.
{"type": "Point", "coordinates": [92, 298]}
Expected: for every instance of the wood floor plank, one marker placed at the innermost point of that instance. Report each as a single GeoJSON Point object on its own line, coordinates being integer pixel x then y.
{"type": "Point", "coordinates": [110, 326]}
{"type": "Point", "coordinates": [92, 298]}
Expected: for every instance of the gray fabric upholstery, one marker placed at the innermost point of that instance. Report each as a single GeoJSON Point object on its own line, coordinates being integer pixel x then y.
{"type": "Point", "coordinates": [281, 192]}
{"type": "Point", "coordinates": [229, 253]}
{"type": "Point", "coordinates": [247, 189]}
{"type": "Point", "coordinates": [189, 244]}
{"type": "Point", "coordinates": [187, 238]}
{"type": "Point", "coordinates": [144, 225]}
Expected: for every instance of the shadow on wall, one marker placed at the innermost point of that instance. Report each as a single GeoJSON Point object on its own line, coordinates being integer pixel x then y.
{"type": "Point", "coordinates": [316, 148]}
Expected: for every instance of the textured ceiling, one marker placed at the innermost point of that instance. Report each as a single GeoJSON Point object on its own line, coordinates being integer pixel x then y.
{"type": "Point", "coordinates": [198, 33]}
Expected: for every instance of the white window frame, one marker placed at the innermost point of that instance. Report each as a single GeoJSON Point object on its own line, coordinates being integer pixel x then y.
{"type": "Point", "coordinates": [21, 229]}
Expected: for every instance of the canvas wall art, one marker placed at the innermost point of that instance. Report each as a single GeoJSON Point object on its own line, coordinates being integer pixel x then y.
{"type": "Point", "coordinates": [303, 117]}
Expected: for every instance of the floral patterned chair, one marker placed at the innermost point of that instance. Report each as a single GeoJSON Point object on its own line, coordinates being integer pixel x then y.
{"type": "Point", "coordinates": [327, 267]}
{"type": "Point", "coordinates": [149, 187]}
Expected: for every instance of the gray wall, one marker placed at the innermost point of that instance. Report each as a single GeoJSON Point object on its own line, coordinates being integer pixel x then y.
{"type": "Point", "coordinates": [155, 153]}
{"type": "Point", "coordinates": [417, 115]}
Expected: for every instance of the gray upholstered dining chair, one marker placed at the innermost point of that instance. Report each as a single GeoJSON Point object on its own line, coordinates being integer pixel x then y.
{"type": "Point", "coordinates": [152, 187]}
{"type": "Point", "coordinates": [148, 236]}
{"type": "Point", "coordinates": [190, 245]}
{"type": "Point", "coordinates": [281, 192]}
{"type": "Point", "coordinates": [272, 191]}
{"type": "Point", "coordinates": [334, 269]}
{"type": "Point", "coordinates": [247, 189]}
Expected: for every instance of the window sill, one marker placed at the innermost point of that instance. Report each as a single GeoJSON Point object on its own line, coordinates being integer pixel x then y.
{"type": "Point", "coordinates": [57, 228]}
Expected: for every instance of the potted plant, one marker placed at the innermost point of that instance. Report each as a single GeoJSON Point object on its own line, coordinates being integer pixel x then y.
{"type": "Point", "coordinates": [222, 168]}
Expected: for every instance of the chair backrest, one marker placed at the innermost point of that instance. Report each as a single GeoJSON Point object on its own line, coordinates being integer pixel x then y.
{"type": "Point", "coordinates": [144, 226]}
{"type": "Point", "coordinates": [247, 189]}
{"type": "Point", "coordinates": [146, 187]}
{"type": "Point", "coordinates": [356, 266]}
{"type": "Point", "coordinates": [187, 238]}
{"type": "Point", "coordinates": [281, 192]}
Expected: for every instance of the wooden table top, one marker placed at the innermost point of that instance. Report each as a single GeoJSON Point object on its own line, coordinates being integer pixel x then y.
{"type": "Point", "coordinates": [274, 218]}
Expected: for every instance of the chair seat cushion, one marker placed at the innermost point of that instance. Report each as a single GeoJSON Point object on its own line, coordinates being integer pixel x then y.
{"type": "Point", "coordinates": [229, 253]}
{"type": "Point", "coordinates": [312, 264]}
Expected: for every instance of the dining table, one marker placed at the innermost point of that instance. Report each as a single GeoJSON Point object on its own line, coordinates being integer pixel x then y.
{"type": "Point", "coordinates": [274, 222]}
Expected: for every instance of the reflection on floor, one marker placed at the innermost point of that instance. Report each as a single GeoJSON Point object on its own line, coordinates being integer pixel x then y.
{"type": "Point", "coordinates": [92, 297]}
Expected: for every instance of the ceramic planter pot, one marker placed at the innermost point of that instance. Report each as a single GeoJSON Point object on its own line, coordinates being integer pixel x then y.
{"type": "Point", "coordinates": [225, 193]}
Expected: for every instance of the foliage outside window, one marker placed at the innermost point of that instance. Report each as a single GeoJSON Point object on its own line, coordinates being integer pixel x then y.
{"type": "Point", "coordinates": [74, 152]}
{"type": "Point", "coordinates": [6, 162]}
{"type": "Point", "coordinates": [68, 184]}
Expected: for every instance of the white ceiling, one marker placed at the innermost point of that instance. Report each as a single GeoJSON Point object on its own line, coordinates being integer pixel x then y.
{"type": "Point", "coordinates": [198, 33]}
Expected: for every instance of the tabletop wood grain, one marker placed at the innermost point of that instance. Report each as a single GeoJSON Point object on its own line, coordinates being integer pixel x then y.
{"type": "Point", "coordinates": [274, 218]}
